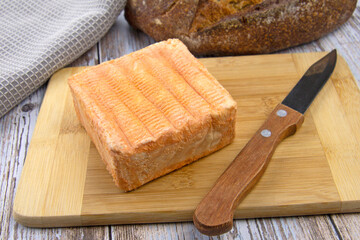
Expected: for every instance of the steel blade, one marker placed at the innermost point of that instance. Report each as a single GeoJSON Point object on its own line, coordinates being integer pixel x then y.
{"type": "Point", "coordinates": [304, 92]}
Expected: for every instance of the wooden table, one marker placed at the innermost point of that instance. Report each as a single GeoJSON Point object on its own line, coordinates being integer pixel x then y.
{"type": "Point", "coordinates": [17, 126]}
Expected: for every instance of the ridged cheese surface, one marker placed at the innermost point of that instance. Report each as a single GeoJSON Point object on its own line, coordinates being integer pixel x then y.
{"type": "Point", "coordinates": [153, 93]}
{"type": "Point", "coordinates": [152, 111]}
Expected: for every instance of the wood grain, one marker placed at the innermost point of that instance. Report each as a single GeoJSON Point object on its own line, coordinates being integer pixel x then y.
{"type": "Point", "coordinates": [121, 40]}
{"type": "Point", "coordinates": [344, 162]}
{"type": "Point", "coordinates": [52, 137]}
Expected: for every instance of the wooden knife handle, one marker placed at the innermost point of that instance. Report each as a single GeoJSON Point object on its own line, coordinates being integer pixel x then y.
{"type": "Point", "coordinates": [214, 214]}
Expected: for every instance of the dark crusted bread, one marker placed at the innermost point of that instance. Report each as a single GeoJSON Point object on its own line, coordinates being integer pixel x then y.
{"type": "Point", "coordinates": [230, 27]}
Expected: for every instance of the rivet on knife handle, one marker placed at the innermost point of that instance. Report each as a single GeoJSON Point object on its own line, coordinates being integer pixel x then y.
{"type": "Point", "coordinates": [214, 214]}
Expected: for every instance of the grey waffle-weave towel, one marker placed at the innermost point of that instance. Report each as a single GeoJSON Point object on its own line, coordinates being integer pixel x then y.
{"type": "Point", "coordinates": [38, 37]}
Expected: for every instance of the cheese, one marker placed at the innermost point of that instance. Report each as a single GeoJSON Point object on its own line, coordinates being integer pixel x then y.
{"type": "Point", "coordinates": [152, 111]}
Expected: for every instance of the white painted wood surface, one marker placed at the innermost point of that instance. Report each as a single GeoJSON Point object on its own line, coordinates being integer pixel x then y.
{"type": "Point", "coordinates": [17, 126]}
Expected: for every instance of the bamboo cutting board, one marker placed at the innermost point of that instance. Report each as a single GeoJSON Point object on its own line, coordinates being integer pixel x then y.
{"type": "Point", "coordinates": [65, 183]}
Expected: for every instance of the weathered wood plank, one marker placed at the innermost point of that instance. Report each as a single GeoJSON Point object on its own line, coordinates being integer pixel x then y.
{"type": "Point", "coordinates": [121, 40]}
{"type": "Point", "coordinates": [314, 227]}
{"type": "Point", "coordinates": [17, 126]}
{"type": "Point", "coordinates": [16, 129]}
{"type": "Point", "coordinates": [347, 225]}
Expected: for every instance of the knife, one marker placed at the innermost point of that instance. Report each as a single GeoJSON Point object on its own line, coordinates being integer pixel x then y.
{"type": "Point", "coordinates": [214, 214]}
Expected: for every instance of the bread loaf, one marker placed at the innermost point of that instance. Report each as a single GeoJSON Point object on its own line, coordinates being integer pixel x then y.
{"type": "Point", "coordinates": [231, 27]}
{"type": "Point", "coordinates": [152, 111]}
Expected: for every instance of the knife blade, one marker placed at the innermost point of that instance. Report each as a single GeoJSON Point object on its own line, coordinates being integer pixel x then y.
{"type": "Point", "coordinates": [214, 214]}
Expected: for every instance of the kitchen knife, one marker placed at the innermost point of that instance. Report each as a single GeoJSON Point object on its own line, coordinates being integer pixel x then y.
{"type": "Point", "coordinates": [214, 214]}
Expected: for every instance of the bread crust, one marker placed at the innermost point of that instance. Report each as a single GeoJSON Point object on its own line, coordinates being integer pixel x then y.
{"type": "Point", "coordinates": [238, 27]}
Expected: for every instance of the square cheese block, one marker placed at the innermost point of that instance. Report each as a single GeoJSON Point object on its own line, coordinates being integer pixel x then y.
{"type": "Point", "coordinates": [152, 111]}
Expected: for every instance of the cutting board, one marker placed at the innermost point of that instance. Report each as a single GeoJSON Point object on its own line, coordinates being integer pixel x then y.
{"type": "Point", "coordinates": [316, 171]}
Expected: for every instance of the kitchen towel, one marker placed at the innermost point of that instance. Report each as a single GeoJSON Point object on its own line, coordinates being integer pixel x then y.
{"type": "Point", "coordinates": [38, 37]}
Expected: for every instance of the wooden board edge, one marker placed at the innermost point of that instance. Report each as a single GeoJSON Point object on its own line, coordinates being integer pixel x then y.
{"type": "Point", "coordinates": [47, 221]}
{"type": "Point", "coordinates": [176, 216]}
{"type": "Point", "coordinates": [350, 206]}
